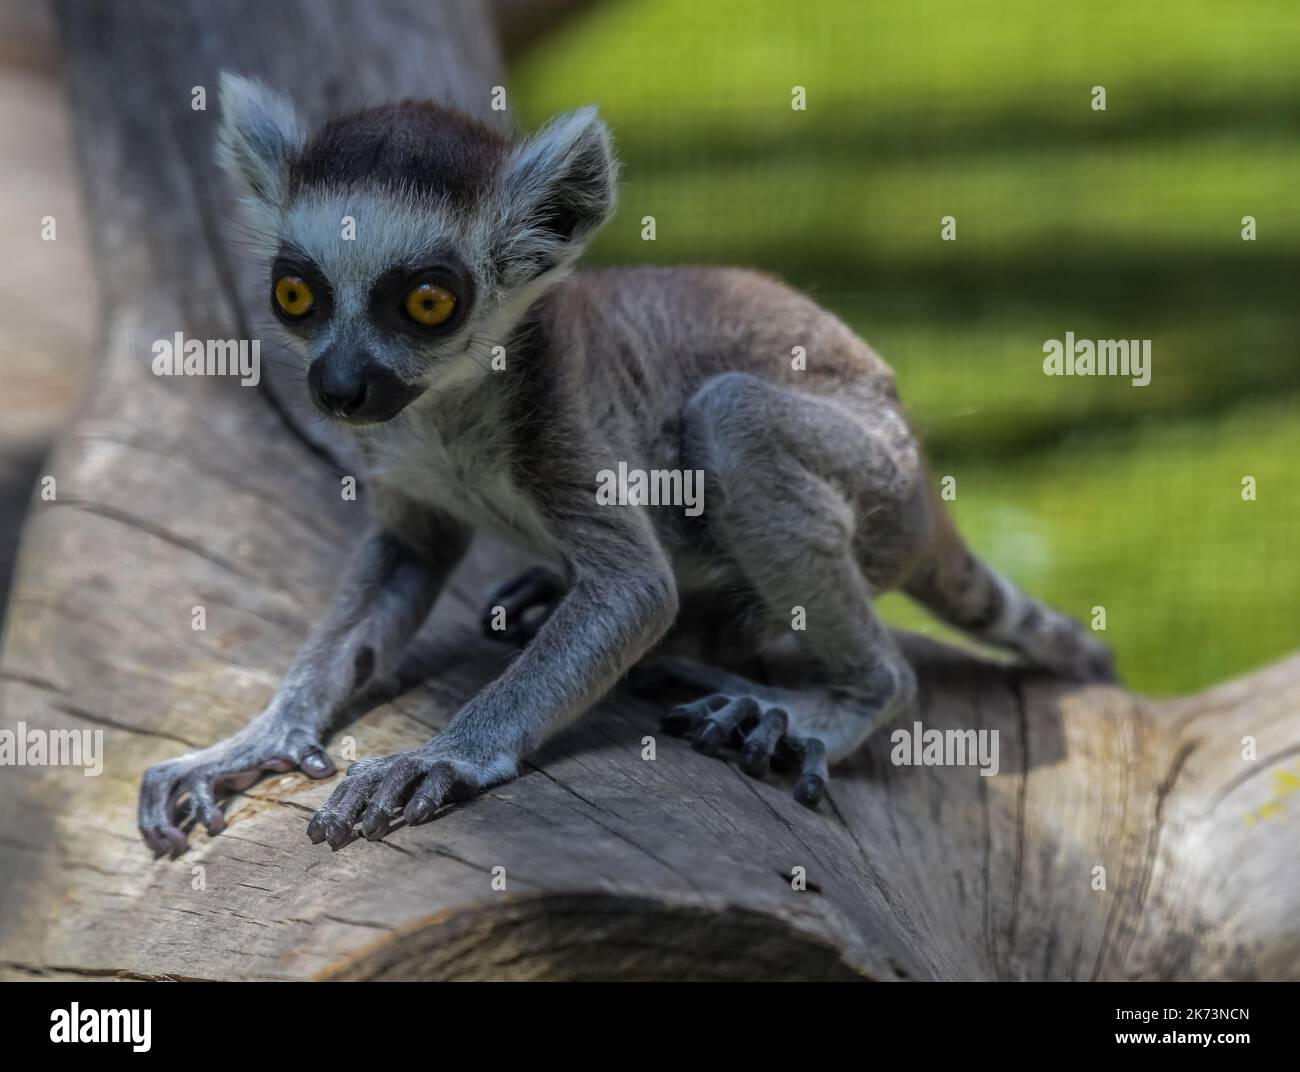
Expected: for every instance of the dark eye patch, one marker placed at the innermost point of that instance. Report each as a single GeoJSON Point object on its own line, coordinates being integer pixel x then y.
{"type": "Point", "coordinates": [388, 297]}
{"type": "Point", "coordinates": [294, 262]}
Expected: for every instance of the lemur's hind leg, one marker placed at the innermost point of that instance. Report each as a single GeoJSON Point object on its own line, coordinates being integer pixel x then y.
{"type": "Point", "coordinates": [799, 489]}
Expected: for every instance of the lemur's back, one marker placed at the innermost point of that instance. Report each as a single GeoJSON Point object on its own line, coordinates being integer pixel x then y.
{"type": "Point", "coordinates": [705, 320]}
{"type": "Point", "coordinates": [648, 338]}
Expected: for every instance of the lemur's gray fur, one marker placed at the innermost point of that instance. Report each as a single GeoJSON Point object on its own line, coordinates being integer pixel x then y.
{"type": "Point", "coordinates": [817, 494]}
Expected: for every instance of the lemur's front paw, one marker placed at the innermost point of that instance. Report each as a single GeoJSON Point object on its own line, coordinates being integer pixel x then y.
{"type": "Point", "coordinates": [517, 609]}
{"type": "Point", "coordinates": [173, 792]}
{"type": "Point", "coordinates": [761, 732]}
{"type": "Point", "coordinates": [411, 784]}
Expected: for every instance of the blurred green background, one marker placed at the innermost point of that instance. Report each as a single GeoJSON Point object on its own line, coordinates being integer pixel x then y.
{"type": "Point", "coordinates": [1117, 224]}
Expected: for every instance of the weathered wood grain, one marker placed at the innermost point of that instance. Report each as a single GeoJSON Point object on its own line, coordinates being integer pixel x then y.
{"type": "Point", "coordinates": [47, 290]}
{"type": "Point", "coordinates": [177, 493]}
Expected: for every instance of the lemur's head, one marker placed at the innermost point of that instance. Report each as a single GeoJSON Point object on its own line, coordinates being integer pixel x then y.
{"type": "Point", "coordinates": [404, 241]}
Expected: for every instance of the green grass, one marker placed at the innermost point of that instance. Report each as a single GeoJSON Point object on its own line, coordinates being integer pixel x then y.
{"type": "Point", "coordinates": [1123, 223]}
{"type": "Point", "coordinates": [713, 72]}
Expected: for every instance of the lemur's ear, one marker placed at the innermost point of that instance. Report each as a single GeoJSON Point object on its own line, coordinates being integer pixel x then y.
{"type": "Point", "coordinates": [259, 134]}
{"type": "Point", "coordinates": [560, 187]}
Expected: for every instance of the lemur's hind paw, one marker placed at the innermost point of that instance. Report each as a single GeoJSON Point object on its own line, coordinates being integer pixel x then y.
{"type": "Point", "coordinates": [761, 732]}
{"type": "Point", "coordinates": [520, 607]}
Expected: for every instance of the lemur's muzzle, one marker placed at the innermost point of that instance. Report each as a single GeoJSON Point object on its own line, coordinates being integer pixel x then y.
{"type": "Point", "coordinates": [358, 388]}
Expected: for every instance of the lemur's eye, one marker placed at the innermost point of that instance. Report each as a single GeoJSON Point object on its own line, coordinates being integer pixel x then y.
{"type": "Point", "coordinates": [294, 296]}
{"type": "Point", "coordinates": [430, 304]}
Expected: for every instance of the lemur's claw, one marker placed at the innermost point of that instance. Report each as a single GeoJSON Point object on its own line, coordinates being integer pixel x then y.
{"type": "Point", "coordinates": [337, 834]}
{"type": "Point", "coordinates": [756, 753]}
{"type": "Point", "coordinates": [525, 602]}
{"type": "Point", "coordinates": [808, 754]}
{"type": "Point", "coordinates": [412, 785]}
{"type": "Point", "coordinates": [762, 735]}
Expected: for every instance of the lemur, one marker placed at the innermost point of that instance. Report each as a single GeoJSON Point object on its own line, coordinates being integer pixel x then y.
{"type": "Point", "coordinates": [817, 494]}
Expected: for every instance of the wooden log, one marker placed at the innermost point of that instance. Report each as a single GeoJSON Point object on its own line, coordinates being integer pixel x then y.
{"type": "Point", "coordinates": [177, 493]}
{"type": "Point", "coordinates": [44, 353]}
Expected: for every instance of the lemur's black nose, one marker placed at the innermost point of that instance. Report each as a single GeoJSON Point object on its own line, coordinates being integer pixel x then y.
{"type": "Point", "coordinates": [344, 400]}
{"type": "Point", "coordinates": [357, 388]}
{"type": "Point", "coordinates": [339, 388]}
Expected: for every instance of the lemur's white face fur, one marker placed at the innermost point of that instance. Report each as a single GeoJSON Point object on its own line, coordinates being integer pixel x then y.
{"type": "Point", "coordinates": [403, 242]}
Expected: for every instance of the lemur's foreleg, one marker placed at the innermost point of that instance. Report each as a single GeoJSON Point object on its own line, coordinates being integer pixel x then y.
{"type": "Point", "coordinates": [578, 655]}
{"type": "Point", "coordinates": [386, 595]}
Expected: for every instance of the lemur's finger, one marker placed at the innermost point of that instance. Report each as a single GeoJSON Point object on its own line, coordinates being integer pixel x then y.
{"type": "Point", "coordinates": [388, 798]}
{"type": "Point", "coordinates": [684, 718]}
{"type": "Point", "coordinates": [431, 793]}
{"type": "Point", "coordinates": [761, 742]}
{"type": "Point", "coordinates": [311, 758]}
{"type": "Point", "coordinates": [334, 821]}
{"type": "Point", "coordinates": [168, 837]}
{"type": "Point", "coordinates": [173, 839]}
{"type": "Point", "coordinates": [204, 804]}
{"type": "Point", "coordinates": [316, 828]}
{"type": "Point", "coordinates": [154, 839]}
{"type": "Point", "coordinates": [164, 839]}
{"type": "Point", "coordinates": [157, 797]}
{"type": "Point", "coordinates": [154, 790]}
{"type": "Point", "coordinates": [348, 811]}
{"type": "Point", "coordinates": [811, 785]}
{"type": "Point", "coordinates": [716, 729]}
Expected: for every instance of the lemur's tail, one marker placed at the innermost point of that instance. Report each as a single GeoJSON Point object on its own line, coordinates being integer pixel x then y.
{"type": "Point", "coordinates": [970, 595]}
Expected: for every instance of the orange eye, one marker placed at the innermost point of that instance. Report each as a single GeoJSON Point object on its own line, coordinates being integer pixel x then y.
{"type": "Point", "coordinates": [430, 304]}
{"type": "Point", "coordinates": [294, 296]}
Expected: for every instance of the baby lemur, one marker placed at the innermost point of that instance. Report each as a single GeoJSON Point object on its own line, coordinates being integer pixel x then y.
{"type": "Point", "coordinates": [816, 494]}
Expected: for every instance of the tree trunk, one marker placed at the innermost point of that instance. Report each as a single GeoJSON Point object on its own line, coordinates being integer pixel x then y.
{"type": "Point", "coordinates": [181, 493]}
